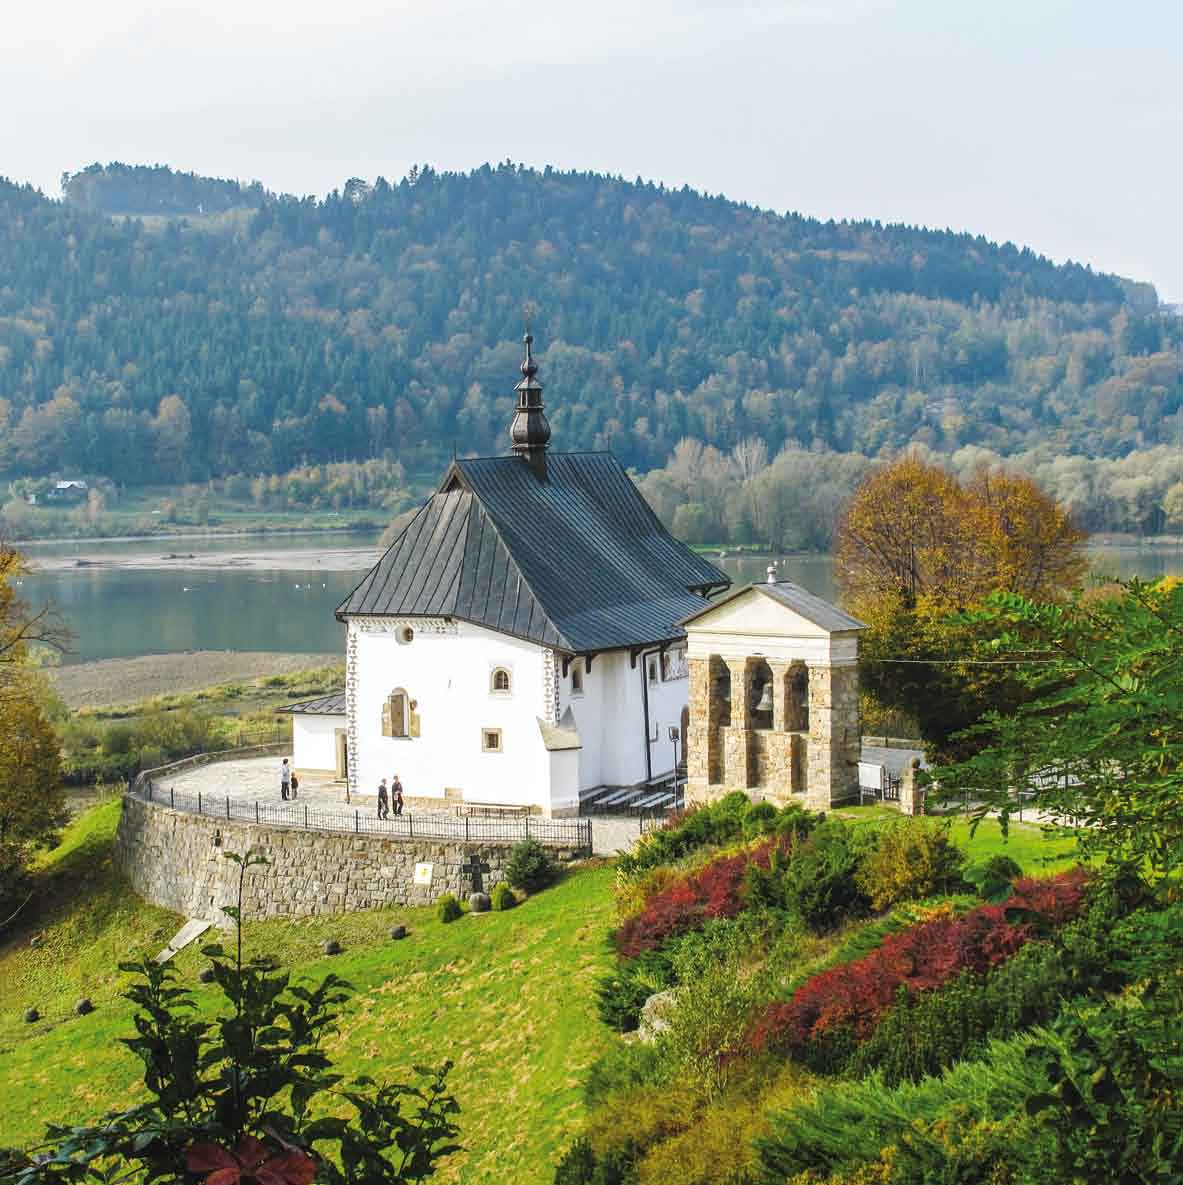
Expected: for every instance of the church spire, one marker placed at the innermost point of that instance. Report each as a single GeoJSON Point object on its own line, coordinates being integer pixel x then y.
{"type": "Point", "coordinates": [529, 430]}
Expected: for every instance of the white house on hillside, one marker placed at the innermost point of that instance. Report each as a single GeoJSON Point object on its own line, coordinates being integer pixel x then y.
{"type": "Point", "coordinates": [520, 642]}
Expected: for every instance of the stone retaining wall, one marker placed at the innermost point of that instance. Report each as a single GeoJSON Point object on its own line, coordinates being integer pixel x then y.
{"type": "Point", "coordinates": [175, 859]}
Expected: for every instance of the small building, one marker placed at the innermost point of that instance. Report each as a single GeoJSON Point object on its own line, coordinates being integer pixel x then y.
{"type": "Point", "coordinates": [773, 697]}
{"type": "Point", "coordinates": [319, 735]}
{"type": "Point", "coordinates": [70, 490]}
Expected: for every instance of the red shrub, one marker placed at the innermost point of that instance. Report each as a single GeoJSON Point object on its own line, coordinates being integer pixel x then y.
{"type": "Point", "coordinates": [714, 891]}
{"type": "Point", "coordinates": [852, 997]}
{"type": "Point", "coordinates": [1057, 899]}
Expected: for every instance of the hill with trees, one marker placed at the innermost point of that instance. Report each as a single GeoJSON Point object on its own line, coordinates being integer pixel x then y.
{"type": "Point", "coordinates": [233, 331]}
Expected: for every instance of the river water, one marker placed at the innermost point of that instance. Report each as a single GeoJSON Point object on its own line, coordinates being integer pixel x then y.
{"type": "Point", "coordinates": [279, 594]}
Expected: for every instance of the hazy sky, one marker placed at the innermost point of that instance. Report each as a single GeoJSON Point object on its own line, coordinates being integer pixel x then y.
{"type": "Point", "coordinates": [1052, 123]}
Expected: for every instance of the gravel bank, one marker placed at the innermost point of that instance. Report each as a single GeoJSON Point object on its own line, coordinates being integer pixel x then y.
{"type": "Point", "coordinates": [125, 680]}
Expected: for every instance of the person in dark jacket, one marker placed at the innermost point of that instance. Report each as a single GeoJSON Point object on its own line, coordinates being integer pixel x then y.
{"type": "Point", "coordinates": [383, 801]}
{"type": "Point", "coordinates": [398, 795]}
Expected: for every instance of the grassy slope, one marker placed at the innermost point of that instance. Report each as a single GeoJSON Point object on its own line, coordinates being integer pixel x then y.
{"type": "Point", "coordinates": [507, 996]}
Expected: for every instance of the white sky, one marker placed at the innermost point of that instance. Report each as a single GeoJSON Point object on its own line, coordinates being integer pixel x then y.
{"type": "Point", "coordinates": [1053, 123]}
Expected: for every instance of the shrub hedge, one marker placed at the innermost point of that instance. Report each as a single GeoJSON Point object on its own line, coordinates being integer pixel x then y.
{"type": "Point", "coordinates": [834, 1011]}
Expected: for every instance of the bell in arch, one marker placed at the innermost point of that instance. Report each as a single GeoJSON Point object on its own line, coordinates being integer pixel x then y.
{"type": "Point", "coordinates": [765, 704]}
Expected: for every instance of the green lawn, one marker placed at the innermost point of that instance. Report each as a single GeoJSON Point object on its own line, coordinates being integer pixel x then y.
{"type": "Point", "coordinates": [507, 996]}
{"type": "Point", "coordinates": [1037, 853]}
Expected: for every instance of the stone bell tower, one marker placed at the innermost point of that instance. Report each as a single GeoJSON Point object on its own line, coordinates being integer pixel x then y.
{"type": "Point", "coordinates": [773, 697]}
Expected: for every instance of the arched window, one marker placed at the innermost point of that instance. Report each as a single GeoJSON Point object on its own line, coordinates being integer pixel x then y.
{"type": "Point", "coordinates": [395, 714]}
{"type": "Point", "coordinates": [500, 681]}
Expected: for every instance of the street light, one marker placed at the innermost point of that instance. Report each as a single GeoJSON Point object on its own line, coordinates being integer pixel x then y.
{"type": "Point", "coordinates": [675, 736]}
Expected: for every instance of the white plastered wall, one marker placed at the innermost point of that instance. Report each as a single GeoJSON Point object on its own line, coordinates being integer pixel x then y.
{"type": "Point", "coordinates": [610, 716]}
{"type": "Point", "coordinates": [447, 671]}
{"type": "Point", "coordinates": [314, 741]}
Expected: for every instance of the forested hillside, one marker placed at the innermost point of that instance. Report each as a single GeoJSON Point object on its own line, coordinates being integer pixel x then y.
{"type": "Point", "coordinates": [263, 333]}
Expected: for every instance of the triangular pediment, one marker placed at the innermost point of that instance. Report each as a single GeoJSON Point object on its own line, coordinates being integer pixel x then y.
{"type": "Point", "coordinates": [783, 609]}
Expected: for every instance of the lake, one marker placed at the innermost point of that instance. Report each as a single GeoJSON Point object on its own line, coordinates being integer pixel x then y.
{"type": "Point", "coordinates": [279, 593]}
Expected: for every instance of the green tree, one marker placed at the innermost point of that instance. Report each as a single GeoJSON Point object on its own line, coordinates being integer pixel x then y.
{"type": "Point", "coordinates": [1098, 741]}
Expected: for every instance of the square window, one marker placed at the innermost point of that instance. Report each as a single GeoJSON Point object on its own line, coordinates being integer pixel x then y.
{"type": "Point", "coordinates": [491, 740]}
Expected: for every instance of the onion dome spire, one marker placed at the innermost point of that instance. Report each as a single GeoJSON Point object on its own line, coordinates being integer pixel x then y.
{"type": "Point", "coordinates": [529, 431]}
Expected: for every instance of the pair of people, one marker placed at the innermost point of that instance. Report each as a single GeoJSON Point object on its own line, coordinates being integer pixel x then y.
{"type": "Point", "coordinates": [385, 796]}
{"type": "Point", "coordinates": [288, 782]}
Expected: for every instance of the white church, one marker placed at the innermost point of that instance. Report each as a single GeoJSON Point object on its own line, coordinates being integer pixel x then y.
{"type": "Point", "coordinates": [521, 642]}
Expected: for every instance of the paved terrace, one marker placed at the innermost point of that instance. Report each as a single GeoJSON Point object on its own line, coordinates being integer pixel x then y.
{"type": "Point", "coordinates": [256, 779]}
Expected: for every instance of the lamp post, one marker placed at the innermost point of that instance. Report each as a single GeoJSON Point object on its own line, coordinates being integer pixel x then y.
{"type": "Point", "coordinates": [675, 736]}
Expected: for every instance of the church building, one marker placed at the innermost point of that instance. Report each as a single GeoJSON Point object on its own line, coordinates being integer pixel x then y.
{"type": "Point", "coordinates": [520, 643]}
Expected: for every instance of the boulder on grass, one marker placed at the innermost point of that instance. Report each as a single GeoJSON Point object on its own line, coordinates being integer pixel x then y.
{"type": "Point", "coordinates": [31, 1015]}
{"type": "Point", "coordinates": [479, 902]}
{"type": "Point", "coordinates": [83, 1006]}
{"type": "Point", "coordinates": [398, 932]}
{"type": "Point", "coordinates": [331, 947]}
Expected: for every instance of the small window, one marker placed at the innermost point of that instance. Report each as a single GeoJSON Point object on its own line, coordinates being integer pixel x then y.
{"type": "Point", "coordinates": [653, 670]}
{"type": "Point", "coordinates": [576, 678]}
{"type": "Point", "coordinates": [406, 635]}
{"type": "Point", "coordinates": [491, 740]}
{"type": "Point", "coordinates": [500, 682]}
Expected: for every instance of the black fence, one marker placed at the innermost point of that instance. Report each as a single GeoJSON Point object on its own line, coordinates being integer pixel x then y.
{"type": "Point", "coordinates": [565, 833]}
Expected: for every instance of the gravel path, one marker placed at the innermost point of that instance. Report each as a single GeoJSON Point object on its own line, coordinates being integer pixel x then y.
{"type": "Point", "coordinates": [126, 680]}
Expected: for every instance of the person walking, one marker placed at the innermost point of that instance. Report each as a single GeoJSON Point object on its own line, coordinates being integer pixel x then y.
{"type": "Point", "coordinates": [285, 780]}
{"type": "Point", "coordinates": [383, 801]}
{"type": "Point", "coordinates": [398, 795]}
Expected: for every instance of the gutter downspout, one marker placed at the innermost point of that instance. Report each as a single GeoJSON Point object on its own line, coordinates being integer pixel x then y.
{"type": "Point", "coordinates": [645, 700]}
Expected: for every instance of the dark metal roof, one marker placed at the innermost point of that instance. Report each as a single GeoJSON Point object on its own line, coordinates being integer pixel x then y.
{"type": "Point", "coordinates": [577, 560]}
{"type": "Point", "coordinates": [326, 705]}
{"type": "Point", "coordinates": [792, 596]}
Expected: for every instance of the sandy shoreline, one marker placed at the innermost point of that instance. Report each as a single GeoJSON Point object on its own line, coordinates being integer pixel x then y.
{"type": "Point", "coordinates": [125, 680]}
{"type": "Point", "coordinates": [336, 559]}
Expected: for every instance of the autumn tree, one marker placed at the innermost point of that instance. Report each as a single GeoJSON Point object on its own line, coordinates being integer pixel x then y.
{"type": "Point", "coordinates": [916, 547]}
{"type": "Point", "coordinates": [31, 802]}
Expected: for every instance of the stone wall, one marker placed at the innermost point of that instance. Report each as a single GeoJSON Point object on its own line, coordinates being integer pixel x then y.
{"type": "Point", "coordinates": [175, 860]}
{"type": "Point", "coordinates": [835, 740]}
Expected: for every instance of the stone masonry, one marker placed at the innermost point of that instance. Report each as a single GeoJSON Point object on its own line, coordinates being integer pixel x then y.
{"type": "Point", "coordinates": [835, 740]}
{"type": "Point", "coordinates": [775, 763]}
{"type": "Point", "coordinates": [175, 860]}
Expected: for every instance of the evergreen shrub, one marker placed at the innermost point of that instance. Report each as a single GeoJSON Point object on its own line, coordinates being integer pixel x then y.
{"type": "Point", "coordinates": [719, 822]}
{"type": "Point", "coordinates": [812, 876]}
{"type": "Point", "coordinates": [502, 897]}
{"type": "Point", "coordinates": [759, 819]}
{"type": "Point", "coordinates": [529, 866]}
{"type": "Point", "coordinates": [447, 908]}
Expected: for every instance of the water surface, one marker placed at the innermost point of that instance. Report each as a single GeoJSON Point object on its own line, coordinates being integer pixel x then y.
{"type": "Point", "coordinates": [123, 612]}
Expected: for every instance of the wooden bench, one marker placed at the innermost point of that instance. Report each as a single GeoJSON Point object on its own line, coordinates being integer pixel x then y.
{"type": "Point", "coordinates": [491, 808]}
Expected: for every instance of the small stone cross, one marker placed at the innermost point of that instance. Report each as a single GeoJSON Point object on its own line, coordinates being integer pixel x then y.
{"type": "Point", "coordinates": [474, 868]}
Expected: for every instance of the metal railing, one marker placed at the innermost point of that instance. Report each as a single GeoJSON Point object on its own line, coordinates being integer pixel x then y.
{"type": "Point", "coordinates": [568, 833]}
